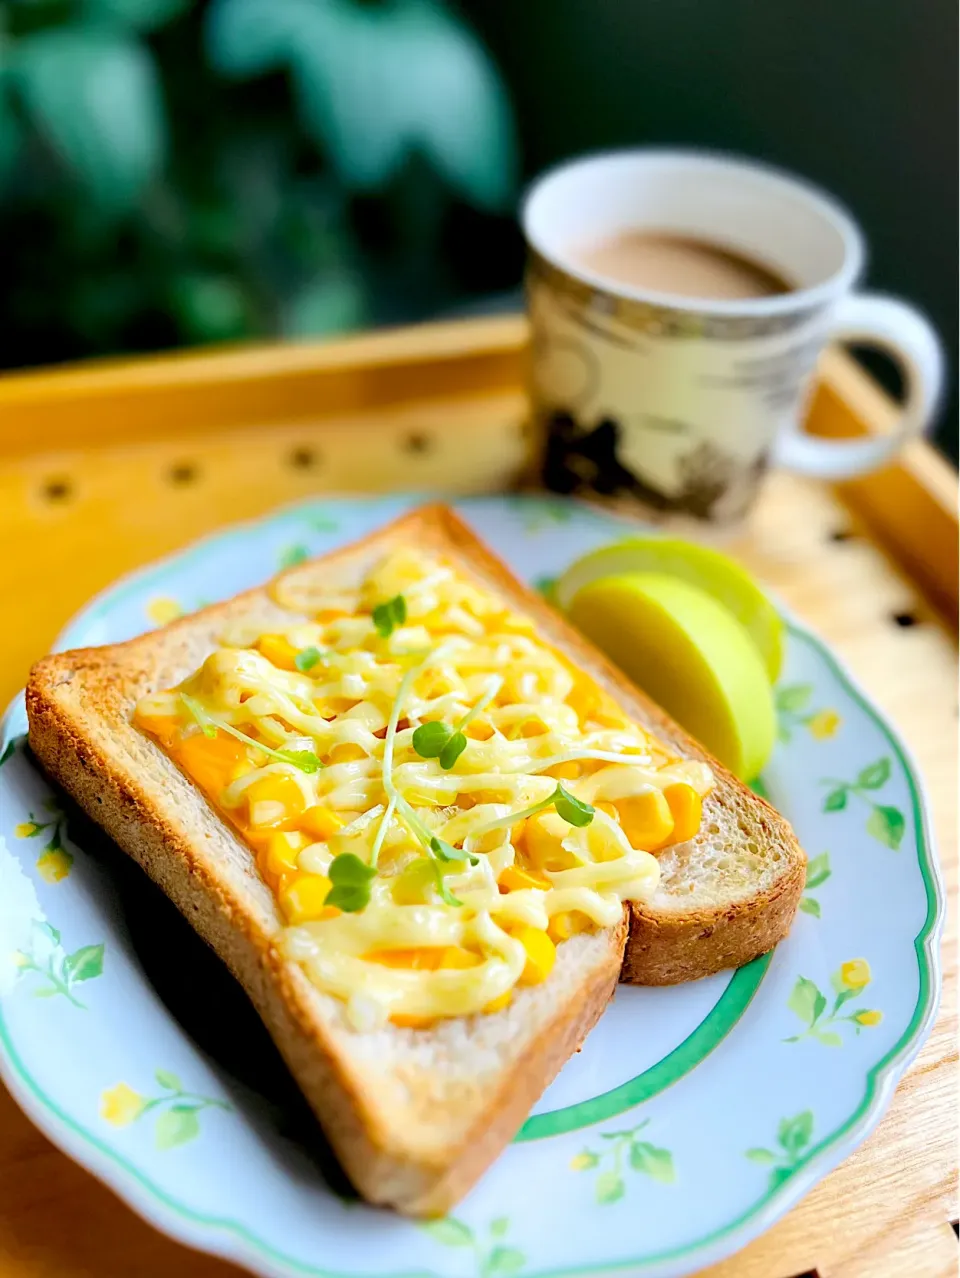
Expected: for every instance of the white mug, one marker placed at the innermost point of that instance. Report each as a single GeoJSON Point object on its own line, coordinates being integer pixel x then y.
{"type": "Point", "coordinates": [683, 402]}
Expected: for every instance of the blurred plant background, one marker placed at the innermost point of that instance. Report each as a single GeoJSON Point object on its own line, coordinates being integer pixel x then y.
{"type": "Point", "coordinates": [175, 172]}
{"type": "Point", "coordinates": [178, 173]}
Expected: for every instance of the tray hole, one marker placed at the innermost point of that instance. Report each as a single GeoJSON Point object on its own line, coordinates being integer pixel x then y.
{"type": "Point", "coordinates": [842, 534]}
{"type": "Point", "coordinates": [303, 459]}
{"type": "Point", "coordinates": [905, 620]}
{"type": "Point", "coordinates": [58, 490]}
{"type": "Point", "coordinates": [955, 1226]}
{"type": "Point", "coordinates": [183, 473]}
{"type": "Point", "coordinates": [418, 442]}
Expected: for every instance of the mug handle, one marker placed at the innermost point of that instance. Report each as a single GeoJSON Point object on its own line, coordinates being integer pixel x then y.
{"type": "Point", "coordinates": [894, 326]}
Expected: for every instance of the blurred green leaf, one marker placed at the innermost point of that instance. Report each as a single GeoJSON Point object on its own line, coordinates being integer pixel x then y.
{"type": "Point", "coordinates": [95, 97]}
{"type": "Point", "coordinates": [455, 102]}
{"type": "Point", "coordinates": [138, 15]}
{"type": "Point", "coordinates": [211, 308]}
{"type": "Point", "coordinates": [331, 304]}
{"type": "Point", "coordinates": [375, 84]}
{"type": "Point", "coordinates": [249, 37]}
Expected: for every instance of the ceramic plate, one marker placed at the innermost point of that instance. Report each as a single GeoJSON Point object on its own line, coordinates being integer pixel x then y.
{"type": "Point", "coordinates": [694, 1116]}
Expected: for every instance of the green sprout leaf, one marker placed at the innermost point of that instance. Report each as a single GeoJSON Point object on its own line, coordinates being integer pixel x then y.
{"type": "Point", "coordinates": [887, 825]}
{"type": "Point", "coordinates": [499, 1227]}
{"type": "Point", "coordinates": [307, 659]}
{"type": "Point", "coordinates": [167, 1079]}
{"type": "Point", "coordinates": [452, 751]}
{"type": "Point", "coordinates": [810, 906]}
{"type": "Point", "coordinates": [350, 883]}
{"type": "Point", "coordinates": [430, 738]}
{"type": "Point", "coordinates": [836, 800]}
{"type": "Point", "coordinates": [305, 760]}
{"type": "Point", "coordinates": [436, 740]}
{"type": "Point", "coordinates": [875, 776]}
{"type": "Point", "coordinates": [387, 616]}
{"type": "Point", "coordinates": [574, 811]}
{"type": "Point", "coordinates": [8, 752]}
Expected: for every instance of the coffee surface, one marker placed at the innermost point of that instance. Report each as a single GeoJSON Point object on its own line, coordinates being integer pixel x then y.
{"type": "Point", "coordinates": [675, 264]}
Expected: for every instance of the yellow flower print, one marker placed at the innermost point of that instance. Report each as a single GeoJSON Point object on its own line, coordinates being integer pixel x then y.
{"type": "Point", "coordinates": [823, 724]}
{"type": "Point", "coordinates": [855, 974]}
{"type": "Point", "coordinates": [54, 865]}
{"type": "Point", "coordinates": [162, 611]}
{"type": "Point", "coordinates": [26, 829]}
{"type": "Point", "coordinates": [583, 1162]}
{"type": "Point", "coordinates": [121, 1105]}
{"type": "Point", "coordinates": [869, 1017]}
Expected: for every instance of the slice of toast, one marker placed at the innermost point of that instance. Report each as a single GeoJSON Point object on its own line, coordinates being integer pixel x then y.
{"type": "Point", "coordinates": [415, 1115]}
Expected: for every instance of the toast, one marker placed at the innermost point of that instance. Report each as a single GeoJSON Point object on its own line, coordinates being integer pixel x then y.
{"type": "Point", "coordinates": [415, 1115]}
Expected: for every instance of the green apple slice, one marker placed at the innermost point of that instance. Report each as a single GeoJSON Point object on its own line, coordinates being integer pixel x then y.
{"type": "Point", "coordinates": [684, 649]}
{"type": "Point", "coordinates": [701, 566]}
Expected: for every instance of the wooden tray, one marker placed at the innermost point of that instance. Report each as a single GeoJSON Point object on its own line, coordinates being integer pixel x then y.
{"type": "Point", "coordinates": [105, 467]}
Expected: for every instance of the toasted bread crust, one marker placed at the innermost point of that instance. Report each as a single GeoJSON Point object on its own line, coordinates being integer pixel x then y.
{"type": "Point", "coordinates": [79, 706]}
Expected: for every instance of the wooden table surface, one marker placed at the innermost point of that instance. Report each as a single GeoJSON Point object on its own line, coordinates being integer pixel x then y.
{"type": "Point", "coordinates": [886, 1212]}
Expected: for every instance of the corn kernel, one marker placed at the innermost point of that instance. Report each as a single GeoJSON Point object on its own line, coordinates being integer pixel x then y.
{"type": "Point", "coordinates": [279, 651]}
{"type": "Point", "coordinates": [583, 700]}
{"type": "Point", "coordinates": [165, 727]}
{"type": "Point", "coordinates": [499, 1003]}
{"type": "Point", "coordinates": [568, 923]}
{"type": "Point", "coordinates": [276, 789]}
{"type": "Point", "coordinates": [302, 898]}
{"type": "Point", "coordinates": [319, 822]}
{"type": "Point", "coordinates": [542, 841]}
{"type": "Point", "coordinates": [514, 878]}
{"type": "Point", "coordinates": [646, 819]}
{"type": "Point", "coordinates": [412, 886]}
{"type": "Point", "coordinates": [568, 771]}
{"type": "Point", "coordinates": [405, 1020]}
{"type": "Point", "coordinates": [278, 859]}
{"type": "Point", "coordinates": [455, 956]}
{"type": "Point", "coordinates": [541, 954]}
{"type": "Point", "coordinates": [686, 807]}
{"type": "Point", "coordinates": [346, 753]}
{"type": "Point", "coordinates": [210, 762]}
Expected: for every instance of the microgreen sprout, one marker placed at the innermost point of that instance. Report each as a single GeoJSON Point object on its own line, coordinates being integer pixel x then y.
{"type": "Point", "coordinates": [350, 880]}
{"type": "Point", "coordinates": [437, 740]}
{"type": "Point", "coordinates": [573, 810]}
{"type": "Point", "coordinates": [305, 760]}
{"type": "Point", "coordinates": [307, 659]}
{"type": "Point", "coordinates": [387, 616]}
{"type": "Point", "coordinates": [438, 850]}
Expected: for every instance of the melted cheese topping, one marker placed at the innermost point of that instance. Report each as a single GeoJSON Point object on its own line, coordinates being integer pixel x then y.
{"type": "Point", "coordinates": [332, 684]}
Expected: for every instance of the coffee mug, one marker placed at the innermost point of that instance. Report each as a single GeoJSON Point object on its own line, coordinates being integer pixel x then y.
{"type": "Point", "coordinates": [682, 402]}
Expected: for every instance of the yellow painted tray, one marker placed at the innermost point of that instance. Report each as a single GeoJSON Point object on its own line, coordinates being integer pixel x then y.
{"type": "Point", "coordinates": [106, 467]}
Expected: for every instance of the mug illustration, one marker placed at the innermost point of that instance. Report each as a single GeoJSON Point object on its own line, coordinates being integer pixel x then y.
{"type": "Point", "coordinates": [711, 484]}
